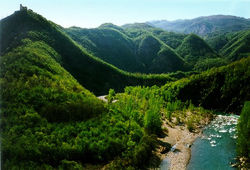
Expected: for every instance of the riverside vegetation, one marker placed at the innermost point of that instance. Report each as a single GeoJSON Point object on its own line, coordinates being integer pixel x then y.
{"type": "Point", "coordinates": [50, 119]}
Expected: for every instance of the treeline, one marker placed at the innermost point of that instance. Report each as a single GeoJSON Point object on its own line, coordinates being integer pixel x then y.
{"type": "Point", "coordinates": [90, 71]}
{"type": "Point", "coordinates": [243, 140]}
{"type": "Point", "coordinates": [224, 88]}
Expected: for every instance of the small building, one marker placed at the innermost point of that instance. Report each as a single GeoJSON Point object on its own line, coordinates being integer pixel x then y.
{"type": "Point", "coordinates": [23, 8]}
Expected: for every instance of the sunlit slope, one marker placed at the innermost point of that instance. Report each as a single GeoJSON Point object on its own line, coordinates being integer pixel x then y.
{"type": "Point", "coordinates": [238, 47]}
{"type": "Point", "coordinates": [193, 49]}
{"type": "Point", "coordinates": [225, 88]}
{"type": "Point", "coordinates": [132, 48]}
{"type": "Point", "coordinates": [91, 72]}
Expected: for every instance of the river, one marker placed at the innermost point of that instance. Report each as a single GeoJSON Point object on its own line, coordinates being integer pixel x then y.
{"type": "Point", "coordinates": [216, 148]}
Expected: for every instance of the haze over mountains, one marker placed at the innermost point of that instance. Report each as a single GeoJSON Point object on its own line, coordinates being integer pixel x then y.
{"type": "Point", "coordinates": [204, 26]}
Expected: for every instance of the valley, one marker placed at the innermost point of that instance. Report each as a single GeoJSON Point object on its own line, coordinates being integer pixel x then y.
{"type": "Point", "coordinates": [162, 86]}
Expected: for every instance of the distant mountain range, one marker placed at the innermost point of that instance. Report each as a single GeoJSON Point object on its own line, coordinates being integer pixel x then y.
{"type": "Point", "coordinates": [141, 47]}
{"type": "Point", "coordinates": [204, 26]}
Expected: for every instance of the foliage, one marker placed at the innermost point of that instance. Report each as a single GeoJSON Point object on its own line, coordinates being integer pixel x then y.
{"type": "Point", "coordinates": [111, 95]}
{"type": "Point", "coordinates": [243, 127]}
{"type": "Point", "coordinates": [32, 79]}
{"type": "Point", "coordinates": [49, 121]}
{"type": "Point", "coordinates": [237, 47]}
{"type": "Point", "coordinates": [91, 72]}
{"type": "Point", "coordinates": [193, 49]}
{"type": "Point", "coordinates": [224, 88]}
{"type": "Point", "coordinates": [126, 131]}
{"type": "Point", "coordinates": [132, 49]}
{"type": "Point", "coordinates": [208, 63]}
{"type": "Point", "coordinates": [218, 40]}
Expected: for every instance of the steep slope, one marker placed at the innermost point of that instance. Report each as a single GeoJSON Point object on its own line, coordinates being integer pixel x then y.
{"type": "Point", "coordinates": [172, 39]}
{"type": "Point", "coordinates": [156, 56]}
{"type": "Point", "coordinates": [218, 41]}
{"type": "Point", "coordinates": [36, 94]}
{"type": "Point", "coordinates": [32, 80]}
{"type": "Point", "coordinates": [109, 44]}
{"type": "Point", "coordinates": [225, 88]}
{"type": "Point", "coordinates": [130, 49]}
{"type": "Point", "coordinates": [204, 26]}
{"type": "Point", "coordinates": [48, 120]}
{"type": "Point", "coordinates": [238, 47]}
{"type": "Point", "coordinates": [193, 49]}
{"type": "Point", "coordinates": [243, 140]}
{"type": "Point", "coordinates": [91, 72]}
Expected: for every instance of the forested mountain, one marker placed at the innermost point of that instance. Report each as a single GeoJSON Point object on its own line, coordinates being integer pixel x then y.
{"type": "Point", "coordinates": [194, 49]}
{"type": "Point", "coordinates": [172, 39]}
{"type": "Point", "coordinates": [89, 71]}
{"type": "Point", "coordinates": [136, 48]}
{"type": "Point", "coordinates": [109, 44]}
{"type": "Point", "coordinates": [237, 47]}
{"type": "Point", "coordinates": [204, 26]}
{"type": "Point", "coordinates": [225, 88]}
{"type": "Point", "coordinates": [50, 119]}
{"type": "Point", "coordinates": [218, 41]}
{"type": "Point", "coordinates": [142, 48]}
{"type": "Point", "coordinates": [156, 56]}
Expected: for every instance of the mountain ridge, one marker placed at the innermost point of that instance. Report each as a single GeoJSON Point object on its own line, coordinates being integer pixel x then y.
{"type": "Point", "coordinates": [115, 45]}
{"type": "Point", "coordinates": [204, 25]}
{"type": "Point", "coordinates": [90, 71]}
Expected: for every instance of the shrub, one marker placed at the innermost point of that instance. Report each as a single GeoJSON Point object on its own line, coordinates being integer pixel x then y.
{"type": "Point", "coordinates": [190, 124]}
{"type": "Point", "coordinates": [243, 127]}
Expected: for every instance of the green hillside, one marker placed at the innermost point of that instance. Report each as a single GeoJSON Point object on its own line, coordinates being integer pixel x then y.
{"type": "Point", "coordinates": [243, 140]}
{"type": "Point", "coordinates": [218, 41]}
{"type": "Point", "coordinates": [109, 44]}
{"type": "Point", "coordinates": [48, 120]}
{"type": "Point", "coordinates": [130, 49]}
{"type": "Point", "coordinates": [32, 80]}
{"type": "Point", "coordinates": [172, 39]}
{"type": "Point", "coordinates": [193, 49]}
{"type": "Point", "coordinates": [237, 47]}
{"type": "Point", "coordinates": [156, 56]}
{"type": "Point", "coordinates": [91, 72]}
{"type": "Point", "coordinates": [225, 88]}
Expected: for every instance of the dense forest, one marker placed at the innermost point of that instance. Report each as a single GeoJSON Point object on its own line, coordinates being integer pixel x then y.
{"type": "Point", "coordinates": [95, 74]}
{"type": "Point", "coordinates": [140, 52]}
{"type": "Point", "coordinates": [50, 77]}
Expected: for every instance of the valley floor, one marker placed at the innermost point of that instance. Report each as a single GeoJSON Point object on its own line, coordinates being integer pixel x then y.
{"type": "Point", "coordinates": [181, 140]}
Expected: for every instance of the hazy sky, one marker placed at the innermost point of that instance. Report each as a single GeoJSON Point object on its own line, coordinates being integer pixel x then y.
{"type": "Point", "coordinates": [92, 13]}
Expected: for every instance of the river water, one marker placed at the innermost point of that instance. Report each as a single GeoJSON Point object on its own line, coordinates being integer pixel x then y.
{"type": "Point", "coordinates": [216, 148]}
